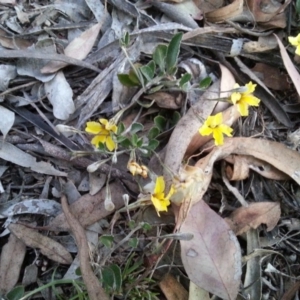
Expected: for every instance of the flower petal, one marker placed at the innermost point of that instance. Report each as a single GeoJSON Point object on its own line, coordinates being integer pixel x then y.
{"type": "Point", "coordinates": [110, 144]}
{"type": "Point", "coordinates": [104, 122]}
{"type": "Point", "coordinates": [218, 136]}
{"type": "Point", "coordinates": [250, 88]}
{"type": "Point", "coordinates": [98, 139]}
{"type": "Point", "coordinates": [93, 127]}
{"type": "Point", "coordinates": [159, 185]}
{"type": "Point", "coordinates": [215, 120]}
{"type": "Point", "coordinates": [243, 108]}
{"type": "Point", "coordinates": [205, 130]}
{"type": "Point", "coordinates": [235, 96]}
{"type": "Point", "coordinates": [250, 100]}
{"type": "Point", "coordinates": [160, 205]}
{"type": "Point", "coordinates": [294, 40]}
{"type": "Point", "coordinates": [226, 129]}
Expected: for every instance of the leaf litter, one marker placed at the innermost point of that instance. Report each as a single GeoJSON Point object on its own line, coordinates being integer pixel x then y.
{"type": "Point", "coordinates": [157, 70]}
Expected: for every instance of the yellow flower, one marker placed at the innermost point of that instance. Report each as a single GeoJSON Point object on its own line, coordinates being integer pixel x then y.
{"type": "Point", "coordinates": [213, 125]}
{"type": "Point", "coordinates": [158, 198]}
{"type": "Point", "coordinates": [103, 131]}
{"type": "Point", "coordinates": [245, 98]}
{"type": "Point", "coordinates": [295, 41]}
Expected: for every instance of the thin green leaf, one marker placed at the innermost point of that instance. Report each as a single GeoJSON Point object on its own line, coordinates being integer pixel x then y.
{"type": "Point", "coordinates": [159, 56]}
{"type": "Point", "coordinates": [173, 52]}
{"type": "Point", "coordinates": [134, 140]}
{"type": "Point", "coordinates": [125, 80]}
{"type": "Point", "coordinates": [175, 118]}
{"type": "Point", "coordinates": [121, 128]}
{"type": "Point", "coordinates": [205, 83]}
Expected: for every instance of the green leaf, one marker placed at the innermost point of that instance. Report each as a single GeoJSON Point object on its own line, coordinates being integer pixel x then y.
{"type": "Point", "coordinates": [133, 242]}
{"type": "Point", "coordinates": [151, 65]}
{"type": "Point", "coordinates": [175, 118]}
{"type": "Point", "coordinates": [107, 240]}
{"type": "Point", "coordinates": [125, 40]}
{"type": "Point", "coordinates": [159, 56]}
{"type": "Point", "coordinates": [173, 52]}
{"type": "Point", "coordinates": [146, 226]}
{"type": "Point", "coordinates": [139, 143]}
{"type": "Point", "coordinates": [125, 80]}
{"type": "Point", "coordinates": [117, 276]}
{"type": "Point", "coordinates": [184, 80]}
{"type": "Point", "coordinates": [101, 147]}
{"type": "Point", "coordinates": [205, 83]}
{"type": "Point", "coordinates": [156, 89]}
{"type": "Point", "coordinates": [131, 224]}
{"type": "Point", "coordinates": [153, 144]}
{"type": "Point", "coordinates": [78, 271]}
{"type": "Point", "coordinates": [298, 7]}
{"type": "Point", "coordinates": [160, 122]}
{"type": "Point", "coordinates": [147, 72]}
{"type": "Point", "coordinates": [126, 143]}
{"type": "Point", "coordinates": [134, 140]}
{"type": "Point", "coordinates": [153, 133]}
{"type": "Point", "coordinates": [121, 128]}
{"type": "Point", "coordinates": [134, 76]}
{"type": "Point", "coordinates": [136, 127]}
{"type": "Point", "coordinates": [16, 293]}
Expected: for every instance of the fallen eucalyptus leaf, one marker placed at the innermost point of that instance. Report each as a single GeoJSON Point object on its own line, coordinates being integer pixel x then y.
{"type": "Point", "coordinates": [47, 246]}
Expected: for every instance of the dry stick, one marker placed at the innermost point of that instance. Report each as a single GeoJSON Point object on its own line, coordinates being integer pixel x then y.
{"type": "Point", "coordinates": [92, 283]}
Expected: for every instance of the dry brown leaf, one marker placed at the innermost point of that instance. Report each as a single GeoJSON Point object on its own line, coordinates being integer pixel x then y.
{"type": "Point", "coordinates": [295, 76]}
{"type": "Point", "coordinates": [185, 131]}
{"type": "Point", "coordinates": [225, 13]}
{"type": "Point", "coordinates": [212, 259]}
{"type": "Point", "coordinates": [254, 164]}
{"type": "Point", "coordinates": [13, 42]}
{"type": "Point", "coordinates": [245, 218]}
{"type": "Point", "coordinates": [89, 209]}
{"type": "Point", "coordinates": [166, 100]}
{"type": "Point", "coordinates": [47, 246]}
{"type": "Point", "coordinates": [79, 48]}
{"type": "Point", "coordinates": [240, 170]}
{"type": "Point", "coordinates": [11, 261]}
{"type": "Point", "coordinates": [172, 289]}
{"type": "Point", "coordinates": [272, 77]}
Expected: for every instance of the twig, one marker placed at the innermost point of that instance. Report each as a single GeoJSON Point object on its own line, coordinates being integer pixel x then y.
{"type": "Point", "coordinates": [92, 283]}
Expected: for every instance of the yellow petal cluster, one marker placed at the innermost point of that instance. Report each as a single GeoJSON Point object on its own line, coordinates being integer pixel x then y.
{"type": "Point", "coordinates": [103, 131]}
{"type": "Point", "coordinates": [136, 169]}
{"type": "Point", "coordinates": [158, 198]}
{"type": "Point", "coordinates": [214, 125]}
{"type": "Point", "coordinates": [245, 98]}
{"type": "Point", "coordinates": [295, 41]}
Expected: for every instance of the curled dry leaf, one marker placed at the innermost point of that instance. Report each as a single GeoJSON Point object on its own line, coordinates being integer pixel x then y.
{"type": "Point", "coordinates": [242, 164]}
{"type": "Point", "coordinates": [245, 218]}
{"type": "Point", "coordinates": [212, 259]}
{"type": "Point", "coordinates": [11, 261]}
{"type": "Point", "coordinates": [47, 246]}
